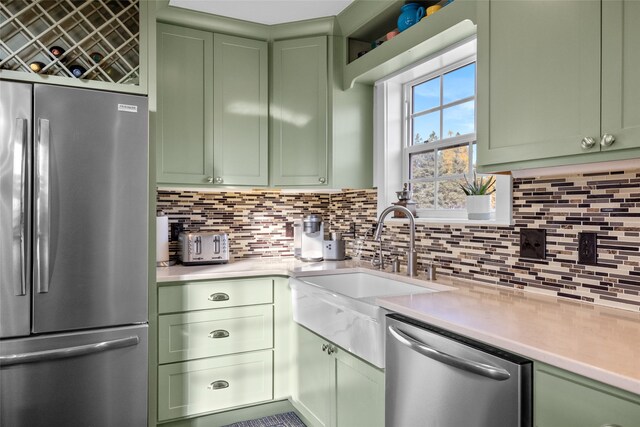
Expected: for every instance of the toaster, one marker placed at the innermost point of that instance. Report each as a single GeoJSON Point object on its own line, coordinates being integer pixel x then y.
{"type": "Point", "coordinates": [204, 248]}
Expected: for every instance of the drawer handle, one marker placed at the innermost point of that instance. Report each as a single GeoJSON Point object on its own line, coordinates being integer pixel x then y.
{"type": "Point", "coordinates": [219, 333]}
{"type": "Point", "coordinates": [611, 425]}
{"type": "Point", "coordinates": [219, 296]}
{"type": "Point", "coordinates": [217, 385]}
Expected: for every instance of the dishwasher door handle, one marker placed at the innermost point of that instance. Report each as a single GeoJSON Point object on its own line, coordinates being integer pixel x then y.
{"type": "Point", "coordinates": [493, 372]}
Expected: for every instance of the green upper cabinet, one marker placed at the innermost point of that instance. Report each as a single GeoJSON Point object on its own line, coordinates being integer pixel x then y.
{"type": "Point", "coordinates": [620, 65]}
{"type": "Point", "coordinates": [240, 111]}
{"type": "Point", "coordinates": [212, 124]}
{"type": "Point", "coordinates": [568, 400]}
{"type": "Point", "coordinates": [299, 119]}
{"type": "Point", "coordinates": [185, 105]}
{"type": "Point", "coordinates": [540, 97]}
{"type": "Point", "coordinates": [538, 79]}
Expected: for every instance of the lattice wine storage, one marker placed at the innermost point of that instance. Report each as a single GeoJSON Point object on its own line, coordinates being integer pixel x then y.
{"type": "Point", "coordinates": [87, 39]}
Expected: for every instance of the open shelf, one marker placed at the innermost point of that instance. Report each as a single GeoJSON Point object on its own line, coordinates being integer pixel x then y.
{"type": "Point", "coordinates": [102, 37]}
{"type": "Point", "coordinates": [449, 25]}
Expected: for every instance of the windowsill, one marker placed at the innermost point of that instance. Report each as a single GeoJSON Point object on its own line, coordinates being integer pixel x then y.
{"type": "Point", "coordinates": [452, 221]}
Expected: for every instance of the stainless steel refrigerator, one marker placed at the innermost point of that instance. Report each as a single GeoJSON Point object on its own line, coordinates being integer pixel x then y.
{"type": "Point", "coordinates": [73, 257]}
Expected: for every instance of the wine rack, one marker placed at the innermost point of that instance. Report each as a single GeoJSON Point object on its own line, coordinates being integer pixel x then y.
{"type": "Point", "coordinates": [96, 40]}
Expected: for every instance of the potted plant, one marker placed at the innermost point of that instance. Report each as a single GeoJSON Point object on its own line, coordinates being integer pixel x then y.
{"type": "Point", "coordinates": [478, 193]}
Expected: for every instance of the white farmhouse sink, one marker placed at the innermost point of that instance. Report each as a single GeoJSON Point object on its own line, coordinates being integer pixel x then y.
{"type": "Point", "coordinates": [342, 309]}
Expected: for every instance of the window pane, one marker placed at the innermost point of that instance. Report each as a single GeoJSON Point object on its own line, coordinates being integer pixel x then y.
{"type": "Point", "coordinates": [453, 160]}
{"type": "Point", "coordinates": [424, 194]}
{"type": "Point", "coordinates": [426, 95]}
{"type": "Point", "coordinates": [459, 84]}
{"type": "Point", "coordinates": [423, 165]}
{"type": "Point", "coordinates": [426, 128]}
{"type": "Point", "coordinates": [459, 120]}
{"type": "Point", "coordinates": [450, 195]}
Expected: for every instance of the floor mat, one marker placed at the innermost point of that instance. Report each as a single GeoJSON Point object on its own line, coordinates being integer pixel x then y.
{"type": "Point", "coordinates": [289, 419]}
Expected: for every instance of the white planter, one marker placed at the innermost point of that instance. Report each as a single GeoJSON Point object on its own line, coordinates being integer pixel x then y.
{"type": "Point", "coordinates": [479, 207]}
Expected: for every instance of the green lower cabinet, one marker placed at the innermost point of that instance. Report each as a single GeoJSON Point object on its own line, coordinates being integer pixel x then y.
{"type": "Point", "coordinates": [212, 384]}
{"type": "Point", "coordinates": [359, 392]}
{"type": "Point", "coordinates": [332, 388]}
{"type": "Point", "coordinates": [563, 399]}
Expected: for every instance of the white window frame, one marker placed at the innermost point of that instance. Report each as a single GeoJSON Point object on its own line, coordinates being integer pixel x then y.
{"type": "Point", "coordinates": [391, 168]}
{"type": "Point", "coordinates": [407, 135]}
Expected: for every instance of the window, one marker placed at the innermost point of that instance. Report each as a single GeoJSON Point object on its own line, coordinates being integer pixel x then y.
{"type": "Point", "coordinates": [439, 136]}
{"type": "Point", "coordinates": [425, 135]}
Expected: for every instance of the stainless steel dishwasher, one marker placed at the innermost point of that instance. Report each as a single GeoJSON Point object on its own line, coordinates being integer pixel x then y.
{"type": "Point", "coordinates": [435, 378]}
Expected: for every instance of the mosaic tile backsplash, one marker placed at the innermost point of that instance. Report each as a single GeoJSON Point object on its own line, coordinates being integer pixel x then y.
{"type": "Point", "coordinates": [607, 204]}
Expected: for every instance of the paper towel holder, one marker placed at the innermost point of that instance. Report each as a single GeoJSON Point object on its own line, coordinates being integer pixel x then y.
{"type": "Point", "coordinates": [164, 262]}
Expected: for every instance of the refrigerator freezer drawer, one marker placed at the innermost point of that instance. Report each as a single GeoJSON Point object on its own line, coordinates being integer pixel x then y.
{"type": "Point", "coordinates": [209, 333]}
{"type": "Point", "coordinates": [93, 378]}
{"type": "Point", "coordinates": [213, 384]}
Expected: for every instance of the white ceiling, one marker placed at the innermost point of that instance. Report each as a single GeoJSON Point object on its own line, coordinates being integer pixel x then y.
{"type": "Point", "coordinates": [266, 11]}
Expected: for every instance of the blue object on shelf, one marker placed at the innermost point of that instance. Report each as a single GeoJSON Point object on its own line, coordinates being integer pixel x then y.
{"type": "Point", "coordinates": [410, 14]}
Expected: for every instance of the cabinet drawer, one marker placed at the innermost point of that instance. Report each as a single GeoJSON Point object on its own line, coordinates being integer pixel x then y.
{"type": "Point", "coordinates": [213, 384]}
{"type": "Point", "coordinates": [568, 400]}
{"type": "Point", "coordinates": [216, 294]}
{"type": "Point", "coordinates": [215, 332]}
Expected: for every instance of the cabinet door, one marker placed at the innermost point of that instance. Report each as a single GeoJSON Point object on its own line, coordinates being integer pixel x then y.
{"type": "Point", "coordinates": [240, 103]}
{"type": "Point", "coordinates": [568, 400]}
{"type": "Point", "coordinates": [359, 392]}
{"type": "Point", "coordinates": [299, 112]}
{"type": "Point", "coordinates": [538, 79]}
{"type": "Point", "coordinates": [185, 105]}
{"type": "Point", "coordinates": [313, 379]}
{"type": "Point", "coordinates": [620, 65]}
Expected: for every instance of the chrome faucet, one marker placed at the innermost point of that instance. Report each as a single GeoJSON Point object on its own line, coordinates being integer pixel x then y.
{"type": "Point", "coordinates": [412, 268]}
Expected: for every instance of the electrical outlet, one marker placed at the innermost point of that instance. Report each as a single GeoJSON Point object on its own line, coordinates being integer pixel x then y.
{"type": "Point", "coordinates": [533, 243]}
{"type": "Point", "coordinates": [288, 229]}
{"type": "Point", "coordinates": [176, 229]}
{"type": "Point", "coordinates": [587, 248]}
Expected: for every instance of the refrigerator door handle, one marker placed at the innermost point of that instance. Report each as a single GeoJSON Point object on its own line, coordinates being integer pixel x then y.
{"type": "Point", "coordinates": [65, 353]}
{"type": "Point", "coordinates": [42, 207]}
{"type": "Point", "coordinates": [493, 372]}
{"type": "Point", "coordinates": [19, 195]}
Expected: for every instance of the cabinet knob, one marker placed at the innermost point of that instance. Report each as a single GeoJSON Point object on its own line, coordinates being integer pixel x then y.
{"type": "Point", "coordinates": [588, 142]}
{"type": "Point", "coordinates": [217, 385]}
{"type": "Point", "coordinates": [324, 347]}
{"type": "Point", "coordinates": [209, 179]}
{"type": "Point", "coordinates": [332, 349]}
{"type": "Point", "coordinates": [219, 180]}
{"type": "Point", "coordinates": [322, 180]}
{"type": "Point", "coordinates": [607, 140]}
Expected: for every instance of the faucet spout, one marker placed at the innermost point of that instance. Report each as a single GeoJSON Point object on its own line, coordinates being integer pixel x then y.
{"type": "Point", "coordinates": [412, 269]}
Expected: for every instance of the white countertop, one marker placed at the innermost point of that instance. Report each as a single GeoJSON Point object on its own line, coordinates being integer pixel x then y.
{"type": "Point", "coordinates": [598, 342]}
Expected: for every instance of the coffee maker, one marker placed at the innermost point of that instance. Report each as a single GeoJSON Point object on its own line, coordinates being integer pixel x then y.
{"type": "Point", "coordinates": [308, 237]}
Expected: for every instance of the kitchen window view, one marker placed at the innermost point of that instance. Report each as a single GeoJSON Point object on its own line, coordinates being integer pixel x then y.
{"type": "Point", "coordinates": [440, 134]}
